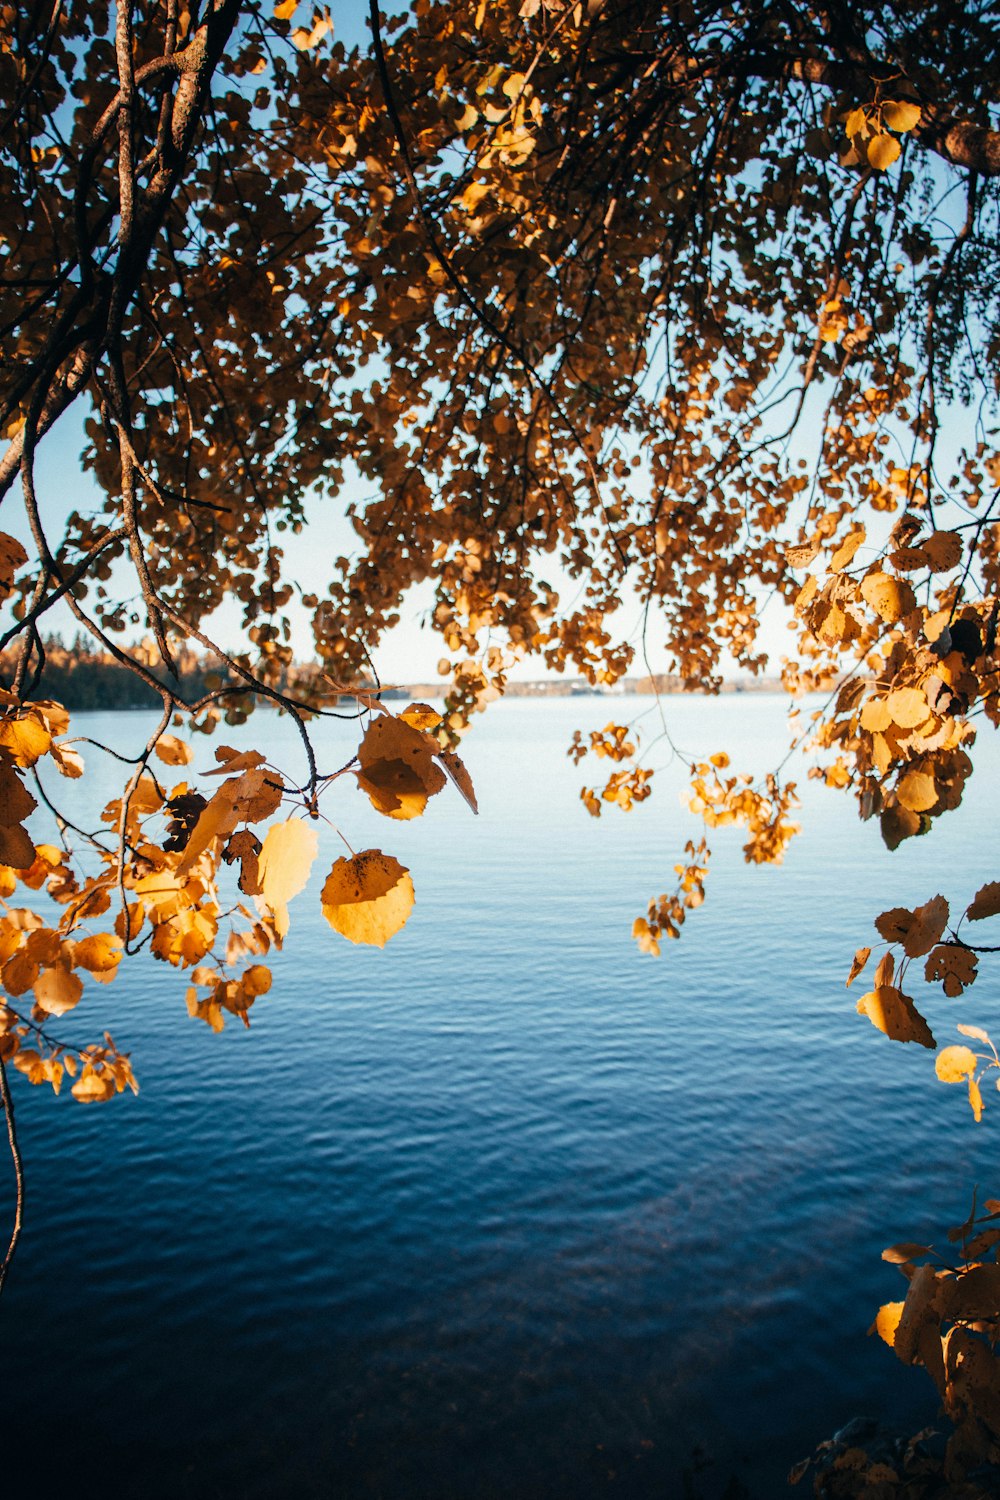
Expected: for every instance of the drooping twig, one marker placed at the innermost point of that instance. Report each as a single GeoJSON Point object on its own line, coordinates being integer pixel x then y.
{"type": "Point", "coordinates": [15, 1151]}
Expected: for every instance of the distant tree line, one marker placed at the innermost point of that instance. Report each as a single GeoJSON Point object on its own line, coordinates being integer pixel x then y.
{"type": "Point", "coordinates": [81, 676]}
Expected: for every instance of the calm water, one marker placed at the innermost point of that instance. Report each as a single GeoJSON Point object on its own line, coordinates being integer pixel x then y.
{"type": "Point", "coordinates": [506, 1210]}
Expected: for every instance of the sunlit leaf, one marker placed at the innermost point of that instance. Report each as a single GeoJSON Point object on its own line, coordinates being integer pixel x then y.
{"type": "Point", "coordinates": [368, 898]}
{"type": "Point", "coordinates": [284, 863]}
{"type": "Point", "coordinates": [895, 1014]}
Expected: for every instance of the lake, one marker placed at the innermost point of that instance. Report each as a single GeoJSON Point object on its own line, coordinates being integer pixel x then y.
{"type": "Point", "coordinates": [508, 1209]}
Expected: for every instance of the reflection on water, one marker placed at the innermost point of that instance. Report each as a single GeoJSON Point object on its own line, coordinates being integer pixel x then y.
{"type": "Point", "coordinates": [506, 1210]}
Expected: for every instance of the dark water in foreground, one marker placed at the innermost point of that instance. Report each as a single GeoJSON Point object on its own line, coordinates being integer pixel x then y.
{"type": "Point", "coordinates": [506, 1210]}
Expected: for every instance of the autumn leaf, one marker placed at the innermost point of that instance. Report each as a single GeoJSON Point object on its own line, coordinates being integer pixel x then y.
{"type": "Point", "coordinates": [860, 959]}
{"type": "Point", "coordinates": [57, 990]}
{"type": "Point", "coordinates": [887, 1321]}
{"type": "Point", "coordinates": [845, 552]}
{"type": "Point", "coordinates": [26, 739]}
{"type": "Point", "coordinates": [985, 903]}
{"type": "Point", "coordinates": [883, 150]}
{"type": "Point", "coordinates": [895, 1014]}
{"type": "Point", "coordinates": [284, 863]}
{"type": "Point", "coordinates": [12, 558]}
{"type": "Point", "coordinates": [955, 1064]}
{"type": "Point", "coordinates": [459, 776]}
{"type": "Point", "coordinates": [368, 898]}
{"type": "Point", "coordinates": [953, 966]}
{"type": "Point", "coordinates": [917, 930]}
{"type": "Point", "coordinates": [891, 598]}
{"type": "Point", "coordinates": [172, 751]}
{"type": "Point", "coordinates": [900, 114]}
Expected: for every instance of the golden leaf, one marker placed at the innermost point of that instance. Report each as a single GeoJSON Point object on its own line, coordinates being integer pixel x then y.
{"type": "Point", "coordinates": [896, 1255]}
{"type": "Point", "coordinates": [172, 751]}
{"type": "Point", "coordinates": [845, 552]}
{"type": "Point", "coordinates": [954, 1064]}
{"type": "Point", "coordinates": [975, 1100]}
{"type": "Point", "coordinates": [283, 866]}
{"type": "Point", "coordinates": [231, 761]}
{"type": "Point", "coordinates": [91, 1087]}
{"type": "Point", "coordinates": [26, 739]}
{"type": "Point", "coordinates": [285, 9]}
{"type": "Point", "coordinates": [420, 716]}
{"type": "Point", "coordinates": [883, 150]}
{"type": "Point", "coordinates": [368, 898]}
{"type": "Point", "coordinates": [57, 990]}
{"type": "Point", "coordinates": [895, 1014]}
{"type": "Point", "coordinates": [891, 598]}
{"type": "Point", "coordinates": [875, 715]}
{"type": "Point", "coordinates": [887, 1321]}
{"type": "Point", "coordinates": [907, 707]}
{"type": "Point", "coordinates": [917, 791]}
{"type": "Point", "coordinates": [985, 903]}
{"type": "Point", "coordinates": [99, 953]}
{"type": "Point", "coordinates": [900, 114]}
{"type": "Point", "coordinates": [801, 556]}
{"type": "Point", "coordinates": [860, 959]}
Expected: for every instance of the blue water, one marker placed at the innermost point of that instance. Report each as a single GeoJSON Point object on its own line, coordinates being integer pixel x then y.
{"type": "Point", "coordinates": [506, 1210]}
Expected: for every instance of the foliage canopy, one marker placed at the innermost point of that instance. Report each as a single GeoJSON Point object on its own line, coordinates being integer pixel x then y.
{"type": "Point", "coordinates": [693, 303]}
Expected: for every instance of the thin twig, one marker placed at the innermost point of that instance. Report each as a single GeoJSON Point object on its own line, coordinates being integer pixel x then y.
{"type": "Point", "coordinates": [15, 1151]}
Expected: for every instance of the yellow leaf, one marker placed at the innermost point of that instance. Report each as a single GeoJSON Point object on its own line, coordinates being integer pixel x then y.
{"type": "Point", "coordinates": [172, 751]}
{"type": "Point", "coordinates": [875, 716]}
{"type": "Point", "coordinates": [855, 122]}
{"type": "Point", "coordinates": [907, 707]}
{"type": "Point", "coordinates": [883, 150]}
{"type": "Point", "coordinates": [900, 114]}
{"type": "Point", "coordinates": [953, 1064]}
{"type": "Point", "coordinates": [420, 716]}
{"type": "Point", "coordinates": [976, 1105]}
{"type": "Point", "coordinates": [985, 903]}
{"type": "Point", "coordinates": [99, 953]}
{"type": "Point", "coordinates": [283, 867]}
{"type": "Point", "coordinates": [845, 552]}
{"type": "Point", "coordinates": [368, 898]}
{"type": "Point", "coordinates": [917, 791]}
{"type": "Point", "coordinates": [887, 1321]}
{"type": "Point", "coordinates": [26, 739]}
{"type": "Point", "coordinates": [895, 1014]}
{"type": "Point", "coordinates": [285, 9]}
{"type": "Point", "coordinates": [91, 1087]}
{"type": "Point", "coordinates": [801, 554]}
{"type": "Point", "coordinates": [57, 990]}
{"type": "Point", "coordinates": [891, 598]}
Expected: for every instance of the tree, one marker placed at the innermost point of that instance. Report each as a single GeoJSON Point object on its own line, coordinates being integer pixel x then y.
{"type": "Point", "coordinates": [697, 303]}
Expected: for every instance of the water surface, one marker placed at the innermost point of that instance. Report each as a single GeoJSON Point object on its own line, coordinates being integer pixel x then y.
{"type": "Point", "coordinates": [506, 1210]}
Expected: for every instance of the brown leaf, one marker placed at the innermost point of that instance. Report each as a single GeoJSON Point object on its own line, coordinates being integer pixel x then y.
{"type": "Point", "coordinates": [455, 768]}
{"type": "Point", "coordinates": [16, 848]}
{"type": "Point", "coordinates": [895, 1014]}
{"type": "Point", "coordinates": [944, 548]}
{"type": "Point", "coordinates": [953, 966]}
{"type": "Point", "coordinates": [860, 959]}
{"type": "Point", "coordinates": [985, 903]}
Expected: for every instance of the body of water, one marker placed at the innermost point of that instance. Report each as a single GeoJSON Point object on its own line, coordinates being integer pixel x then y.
{"type": "Point", "coordinates": [508, 1209]}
